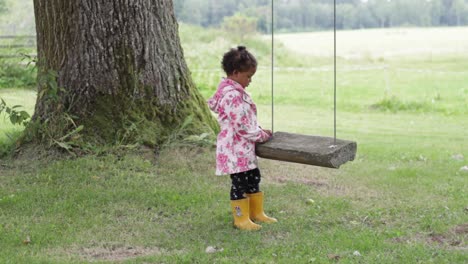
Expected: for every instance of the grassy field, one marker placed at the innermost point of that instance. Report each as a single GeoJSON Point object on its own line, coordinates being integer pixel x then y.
{"type": "Point", "coordinates": [379, 43]}
{"type": "Point", "coordinates": [403, 200]}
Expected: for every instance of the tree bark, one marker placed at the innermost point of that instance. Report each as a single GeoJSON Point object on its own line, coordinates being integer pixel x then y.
{"type": "Point", "coordinates": [115, 67]}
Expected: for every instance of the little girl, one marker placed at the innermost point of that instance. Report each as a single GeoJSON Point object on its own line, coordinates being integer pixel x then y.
{"type": "Point", "coordinates": [235, 152]}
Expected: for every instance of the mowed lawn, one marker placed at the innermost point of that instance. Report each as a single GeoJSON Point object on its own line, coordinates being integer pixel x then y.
{"type": "Point", "coordinates": [403, 200]}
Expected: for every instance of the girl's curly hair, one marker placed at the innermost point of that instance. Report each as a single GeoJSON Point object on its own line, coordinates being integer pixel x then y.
{"type": "Point", "coordinates": [239, 59]}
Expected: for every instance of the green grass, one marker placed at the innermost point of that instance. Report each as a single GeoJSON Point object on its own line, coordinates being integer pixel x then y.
{"type": "Point", "coordinates": [403, 200]}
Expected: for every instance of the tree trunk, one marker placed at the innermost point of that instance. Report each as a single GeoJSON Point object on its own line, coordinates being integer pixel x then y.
{"type": "Point", "coordinates": [117, 69]}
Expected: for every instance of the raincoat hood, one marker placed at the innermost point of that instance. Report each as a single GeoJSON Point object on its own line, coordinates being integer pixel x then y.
{"type": "Point", "coordinates": [224, 87]}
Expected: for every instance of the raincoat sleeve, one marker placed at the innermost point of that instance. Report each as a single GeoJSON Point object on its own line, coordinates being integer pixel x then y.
{"type": "Point", "coordinates": [242, 117]}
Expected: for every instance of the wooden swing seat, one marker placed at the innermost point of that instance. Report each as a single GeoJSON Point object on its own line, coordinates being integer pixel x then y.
{"type": "Point", "coordinates": [312, 150]}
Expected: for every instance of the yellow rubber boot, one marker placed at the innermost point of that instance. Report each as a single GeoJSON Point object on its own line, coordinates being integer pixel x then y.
{"type": "Point", "coordinates": [240, 211]}
{"type": "Point", "coordinates": [256, 208]}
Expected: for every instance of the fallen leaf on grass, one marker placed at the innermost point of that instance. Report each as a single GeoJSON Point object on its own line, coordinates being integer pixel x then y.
{"type": "Point", "coordinates": [27, 241]}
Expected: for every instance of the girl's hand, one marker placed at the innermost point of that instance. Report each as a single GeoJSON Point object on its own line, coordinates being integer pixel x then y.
{"type": "Point", "coordinates": [270, 134]}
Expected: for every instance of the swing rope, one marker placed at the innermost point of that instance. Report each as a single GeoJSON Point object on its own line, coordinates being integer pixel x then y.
{"type": "Point", "coordinates": [334, 72]}
{"type": "Point", "coordinates": [273, 68]}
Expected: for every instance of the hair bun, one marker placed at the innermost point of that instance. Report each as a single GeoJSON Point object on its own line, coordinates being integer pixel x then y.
{"type": "Point", "coordinates": [241, 48]}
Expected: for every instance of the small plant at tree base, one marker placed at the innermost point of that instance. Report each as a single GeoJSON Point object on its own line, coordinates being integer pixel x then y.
{"type": "Point", "coordinates": [59, 129]}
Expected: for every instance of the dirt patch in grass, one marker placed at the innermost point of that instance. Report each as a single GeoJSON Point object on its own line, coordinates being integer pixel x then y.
{"type": "Point", "coordinates": [461, 229]}
{"type": "Point", "coordinates": [312, 182]}
{"type": "Point", "coordinates": [455, 238]}
{"type": "Point", "coordinates": [116, 252]}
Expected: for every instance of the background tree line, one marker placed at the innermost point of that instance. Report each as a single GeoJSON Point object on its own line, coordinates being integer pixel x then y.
{"type": "Point", "coordinates": [308, 15]}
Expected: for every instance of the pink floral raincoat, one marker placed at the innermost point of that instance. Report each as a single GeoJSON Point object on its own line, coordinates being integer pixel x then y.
{"type": "Point", "coordinates": [237, 117]}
